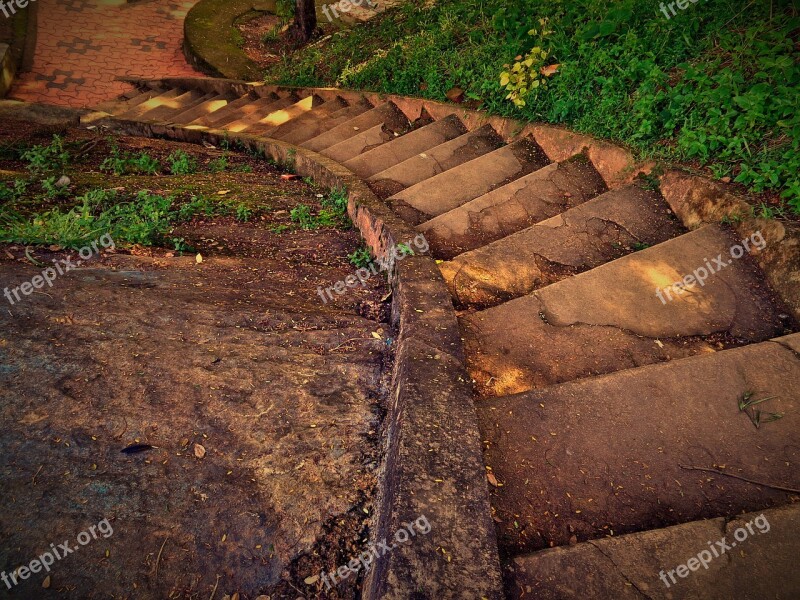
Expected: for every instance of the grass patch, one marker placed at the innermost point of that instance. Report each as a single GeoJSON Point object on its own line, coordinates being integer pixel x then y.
{"type": "Point", "coordinates": [332, 214]}
{"type": "Point", "coordinates": [143, 218]}
{"type": "Point", "coordinates": [715, 85]}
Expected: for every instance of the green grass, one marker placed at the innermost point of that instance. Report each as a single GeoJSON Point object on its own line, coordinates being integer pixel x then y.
{"type": "Point", "coordinates": [143, 218]}
{"type": "Point", "coordinates": [332, 214]}
{"type": "Point", "coordinates": [716, 85]}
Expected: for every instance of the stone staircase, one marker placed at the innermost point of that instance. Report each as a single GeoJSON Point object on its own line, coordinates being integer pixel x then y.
{"type": "Point", "coordinates": [602, 390]}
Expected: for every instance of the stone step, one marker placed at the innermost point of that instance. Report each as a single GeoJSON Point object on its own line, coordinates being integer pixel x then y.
{"type": "Point", "coordinates": [437, 160]}
{"type": "Point", "coordinates": [184, 101]}
{"type": "Point", "coordinates": [387, 114]}
{"type": "Point", "coordinates": [593, 233]}
{"type": "Point", "coordinates": [140, 108]}
{"type": "Point", "coordinates": [676, 563]}
{"type": "Point", "coordinates": [607, 455]}
{"type": "Point", "coordinates": [252, 108]}
{"type": "Point", "coordinates": [406, 146]}
{"type": "Point", "coordinates": [266, 108]}
{"type": "Point", "coordinates": [612, 317]}
{"type": "Point", "coordinates": [228, 112]}
{"type": "Point", "coordinates": [212, 104]}
{"type": "Point", "coordinates": [459, 185]}
{"type": "Point", "coordinates": [126, 103]}
{"type": "Point", "coordinates": [360, 143]}
{"type": "Point", "coordinates": [323, 111]}
{"type": "Point", "coordinates": [285, 115]}
{"type": "Point", "coordinates": [513, 207]}
{"type": "Point", "coordinates": [313, 129]}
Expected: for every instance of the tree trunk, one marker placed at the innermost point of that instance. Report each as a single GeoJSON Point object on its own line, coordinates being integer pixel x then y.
{"type": "Point", "coordinates": [305, 20]}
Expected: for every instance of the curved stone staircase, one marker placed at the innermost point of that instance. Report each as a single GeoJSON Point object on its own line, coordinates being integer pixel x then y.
{"type": "Point", "coordinates": [608, 400]}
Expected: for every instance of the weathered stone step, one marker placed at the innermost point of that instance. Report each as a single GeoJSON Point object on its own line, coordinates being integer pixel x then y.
{"type": "Point", "coordinates": [467, 181]}
{"type": "Point", "coordinates": [140, 108]}
{"type": "Point", "coordinates": [591, 234]}
{"type": "Point", "coordinates": [323, 111]}
{"type": "Point", "coordinates": [387, 114]}
{"type": "Point", "coordinates": [184, 101]}
{"type": "Point", "coordinates": [405, 147]}
{"type": "Point", "coordinates": [126, 103]}
{"type": "Point", "coordinates": [285, 115]}
{"type": "Point", "coordinates": [513, 207]}
{"type": "Point", "coordinates": [211, 103]}
{"type": "Point", "coordinates": [612, 318]}
{"type": "Point", "coordinates": [607, 455]}
{"type": "Point", "coordinates": [360, 143]}
{"type": "Point", "coordinates": [676, 563]}
{"type": "Point", "coordinates": [244, 121]}
{"type": "Point", "coordinates": [437, 160]}
{"type": "Point", "coordinates": [228, 112]}
{"type": "Point", "coordinates": [314, 128]}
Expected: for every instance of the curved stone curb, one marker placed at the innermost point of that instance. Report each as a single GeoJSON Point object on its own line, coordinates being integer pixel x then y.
{"type": "Point", "coordinates": [433, 465]}
{"type": "Point", "coordinates": [207, 41]}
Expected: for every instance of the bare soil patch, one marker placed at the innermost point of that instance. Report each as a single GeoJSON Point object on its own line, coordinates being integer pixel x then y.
{"type": "Point", "coordinates": [259, 406]}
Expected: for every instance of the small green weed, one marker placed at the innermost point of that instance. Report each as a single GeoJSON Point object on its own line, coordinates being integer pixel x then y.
{"type": "Point", "coordinates": [180, 163]}
{"type": "Point", "coordinates": [361, 258]}
{"type": "Point", "coordinates": [42, 159]}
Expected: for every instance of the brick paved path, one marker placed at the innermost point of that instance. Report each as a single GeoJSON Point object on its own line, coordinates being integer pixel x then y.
{"type": "Point", "coordinates": [83, 45]}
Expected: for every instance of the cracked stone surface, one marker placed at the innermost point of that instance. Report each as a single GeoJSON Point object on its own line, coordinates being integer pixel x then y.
{"type": "Point", "coordinates": [593, 233]}
{"type": "Point", "coordinates": [514, 206]}
{"type": "Point", "coordinates": [603, 456]}
{"type": "Point", "coordinates": [610, 318]}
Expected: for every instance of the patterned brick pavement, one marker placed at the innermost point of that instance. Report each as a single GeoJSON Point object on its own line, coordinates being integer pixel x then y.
{"type": "Point", "coordinates": [83, 45]}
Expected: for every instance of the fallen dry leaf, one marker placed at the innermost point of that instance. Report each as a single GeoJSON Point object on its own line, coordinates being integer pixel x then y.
{"type": "Point", "coordinates": [311, 580]}
{"type": "Point", "coordinates": [492, 479]}
{"type": "Point", "coordinates": [549, 70]}
{"type": "Point", "coordinates": [199, 258]}
{"type": "Point", "coordinates": [199, 451]}
{"type": "Point", "coordinates": [46, 582]}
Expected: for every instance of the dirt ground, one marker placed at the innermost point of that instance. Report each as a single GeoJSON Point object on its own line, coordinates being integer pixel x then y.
{"type": "Point", "coordinates": [256, 408]}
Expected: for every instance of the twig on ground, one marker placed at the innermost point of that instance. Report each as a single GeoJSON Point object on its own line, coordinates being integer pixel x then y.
{"type": "Point", "coordinates": [158, 559]}
{"type": "Point", "coordinates": [753, 481]}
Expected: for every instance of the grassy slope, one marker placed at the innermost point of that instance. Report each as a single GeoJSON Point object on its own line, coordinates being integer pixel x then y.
{"type": "Point", "coordinates": [719, 84]}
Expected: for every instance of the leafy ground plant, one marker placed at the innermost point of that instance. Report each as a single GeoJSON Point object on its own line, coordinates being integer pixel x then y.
{"type": "Point", "coordinates": [53, 157]}
{"type": "Point", "coordinates": [180, 163]}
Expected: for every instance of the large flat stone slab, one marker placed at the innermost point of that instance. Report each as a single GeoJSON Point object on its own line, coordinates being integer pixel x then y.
{"type": "Point", "coordinates": [610, 318]}
{"type": "Point", "coordinates": [603, 456]}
